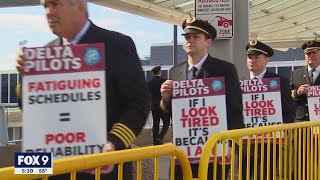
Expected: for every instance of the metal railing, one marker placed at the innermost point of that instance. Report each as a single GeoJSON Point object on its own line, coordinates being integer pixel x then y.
{"type": "Point", "coordinates": [293, 155]}
{"type": "Point", "coordinates": [287, 151]}
{"type": "Point", "coordinates": [74, 164]}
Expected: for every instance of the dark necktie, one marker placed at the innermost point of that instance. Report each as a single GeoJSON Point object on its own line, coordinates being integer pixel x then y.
{"type": "Point", "coordinates": [194, 72]}
{"type": "Point", "coordinates": [311, 75]}
{"type": "Point", "coordinates": [255, 78]}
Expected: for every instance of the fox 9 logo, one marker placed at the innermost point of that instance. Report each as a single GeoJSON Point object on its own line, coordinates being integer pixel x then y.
{"type": "Point", "coordinates": [27, 160]}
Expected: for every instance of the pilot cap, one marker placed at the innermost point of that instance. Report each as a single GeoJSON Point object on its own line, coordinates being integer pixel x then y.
{"type": "Point", "coordinates": [196, 25]}
{"type": "Point", "coordinates": [257, 47]}
{"type": "Point", "coordinates": [156, 69]}
{"type": "Point", "coordinates": [311, 46]}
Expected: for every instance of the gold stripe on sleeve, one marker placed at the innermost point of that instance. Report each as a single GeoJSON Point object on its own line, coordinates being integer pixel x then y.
{"type": "Point", "coordinates": [131, 136]}
{"type": "Point", "coordinates": [122, 134]}
{"type": "Point", "coordinates": [119, 136]}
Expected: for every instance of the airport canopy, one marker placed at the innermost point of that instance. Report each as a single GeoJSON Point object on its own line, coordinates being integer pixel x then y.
{"type": "Point", "coordinates": [283, 23]}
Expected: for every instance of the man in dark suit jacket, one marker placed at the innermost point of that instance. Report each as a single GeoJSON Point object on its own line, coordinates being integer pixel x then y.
{"type": "Point", "coordinates": [258, 55]}
{"type": "Point", "coordinates": [154, 87]}
{"type": "Point", "coordinates": [301, 80]}
{"type": "Point", "coordinates": [128, 98]}
{"type": "Point", "coordinates": [257, 60]}
{"type": "Point", "coordinates": [198, 38]}
{"type": "Point", "coordinates": [304, 77]}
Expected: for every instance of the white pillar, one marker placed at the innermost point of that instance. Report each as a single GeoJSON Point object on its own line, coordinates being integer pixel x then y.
{"type": "Point", "coordinates": [233, 50]}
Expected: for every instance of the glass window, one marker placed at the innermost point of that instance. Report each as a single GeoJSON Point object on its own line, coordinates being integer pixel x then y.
{"type": "Point", "coordinates": [10, 133]}
{"type": "Point", "coordinates": [17, 133]}
{"type": "Point", "coordinates": [297, 67]}
{"type": "Point", "coordinates": [4, 88]}
{"type": "Point", "coordinates": [20, 133]}
{"type": "Point", "coordinates": [271, 69]}
{"type": "Point", "coordinates": [285, 71]}
{"type": "Point", "coordinates": [13, 84]}
{"type": "Point", "coordinates": [19, 77]}
{"type": "Point", "coordinates": [149, 75]}
{"type": "Point", "coordinates": [164, 74]}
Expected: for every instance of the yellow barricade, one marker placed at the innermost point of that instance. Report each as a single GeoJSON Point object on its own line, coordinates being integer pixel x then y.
{"type": "Point", "coordinates": [287, 151]}
{"type": "Point", "coordinates": [74, 164]}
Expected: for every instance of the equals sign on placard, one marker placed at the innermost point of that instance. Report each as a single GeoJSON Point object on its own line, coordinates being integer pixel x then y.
{"type": "Point", "coordinates": [64, 117]}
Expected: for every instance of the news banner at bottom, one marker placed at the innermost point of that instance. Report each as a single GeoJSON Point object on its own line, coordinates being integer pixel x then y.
{"type": "Point", "coordinates": [33, 163]}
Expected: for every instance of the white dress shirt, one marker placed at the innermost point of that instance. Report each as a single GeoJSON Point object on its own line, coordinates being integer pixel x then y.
{"type": "Point", "coordinates": [260, 76]}
{"type": "Point", "coordinates": [315, 73]}
{"type": "Point", "coordinates": [198, 66]}
{"type": "Point", "coordinates": [76, 40]}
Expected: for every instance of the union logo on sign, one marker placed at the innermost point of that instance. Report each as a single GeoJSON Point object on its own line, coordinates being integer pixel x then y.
{"type": "Point", "coordinates": [216, 85]}
{"type": "Point", "coordinates": [273, 84]}
{"type": "Point", "coordinates": [92, 56]}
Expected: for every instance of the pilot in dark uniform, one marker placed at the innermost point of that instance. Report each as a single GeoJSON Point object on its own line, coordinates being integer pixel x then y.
{"type": "Point", "coordinates": [157, 114]}
{"type": "Point", "coordinates": [301, 80]}
{"type": "Point", "coordinates": [199, 36]}
{"type": "Point", "coordinates": [258, 55]}
{"type": "Point", "coordinates": [304, 77]}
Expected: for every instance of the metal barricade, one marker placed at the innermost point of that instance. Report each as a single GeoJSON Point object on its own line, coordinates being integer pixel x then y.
{"type": "Point", "coordinates": [74, 164]}
{"type": "Point", "coordinates": [287, 151]}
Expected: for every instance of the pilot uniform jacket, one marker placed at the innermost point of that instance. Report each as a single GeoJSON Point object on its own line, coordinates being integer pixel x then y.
{"type": "Point", "coordinates": [213, 67]}
{"type": "Point", "coordinates": [254, 161]}
{"type": "Point", "coordinates": [299, 77]}
{"type": "Point", "coordinates": [128, 97]}
{"type": "Point", "coordinates": [288, 107]}
{"type": "Point", "coordinates": [154, 86]}
{"type": "Point", "coordinates": [288, 116]}
{"type": "Point", "coordinates": [157, 114]}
